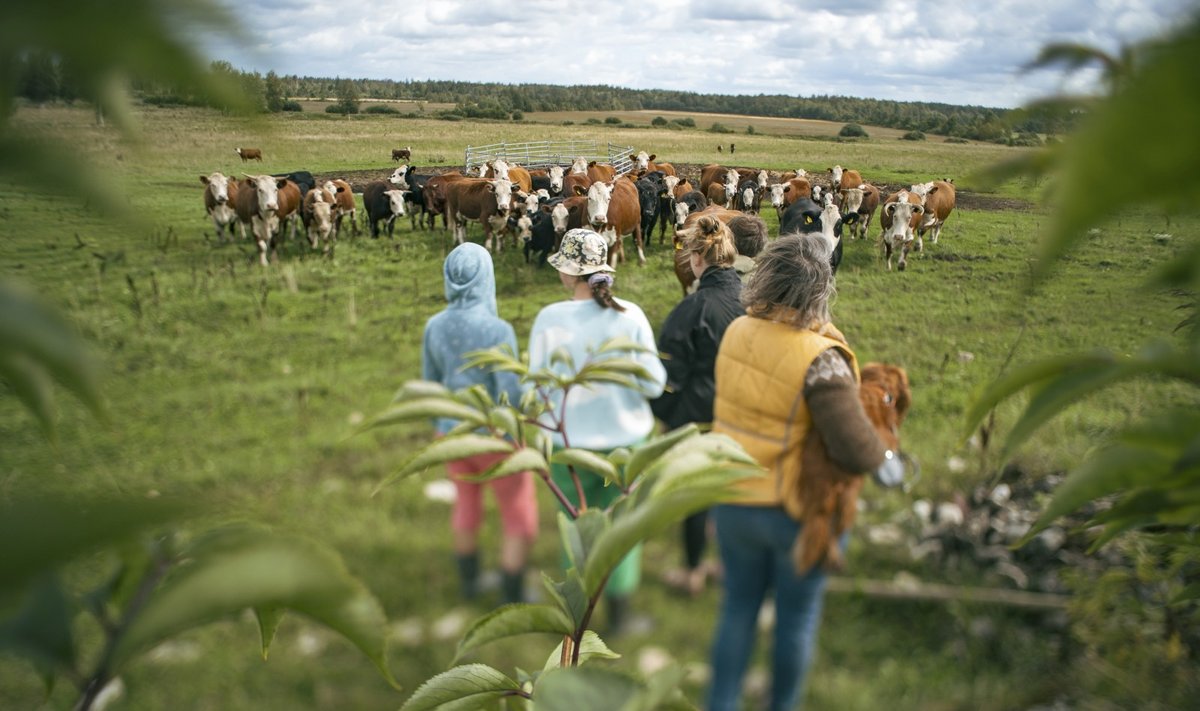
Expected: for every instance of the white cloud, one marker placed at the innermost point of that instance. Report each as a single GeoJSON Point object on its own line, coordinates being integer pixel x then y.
{"type": "Point", "coordinates": [964, 53]}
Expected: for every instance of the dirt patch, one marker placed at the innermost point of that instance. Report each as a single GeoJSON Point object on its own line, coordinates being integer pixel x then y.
{"type": "Point", "coordinates": [965, 199]}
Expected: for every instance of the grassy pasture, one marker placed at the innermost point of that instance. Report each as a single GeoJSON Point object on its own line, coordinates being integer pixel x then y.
{"type": "Point", "coordinates": [239, 386]}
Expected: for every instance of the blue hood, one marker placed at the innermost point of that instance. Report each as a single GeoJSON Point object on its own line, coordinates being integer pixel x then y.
{"type": "Point", "coordinates": [470, 282]}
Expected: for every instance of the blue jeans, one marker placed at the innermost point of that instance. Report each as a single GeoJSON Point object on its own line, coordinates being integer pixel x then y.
{"type": "Point", "coordinates": [755, 544]}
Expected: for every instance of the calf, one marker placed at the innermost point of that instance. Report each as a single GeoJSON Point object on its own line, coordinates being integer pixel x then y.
{"type": "Point", "coordinates": [317, 215]}
{"type": "Point", "coordinates": [382, 201]}
{"type": "Point", "coordinates": [858, 206]}
{"type": "Point", "coordinates": [487, 201]}
{"type": "Point", "coordinates": [613, 212]}
{"type": "Point", "coordinates": [343, 205]}
{"type": "Point", "coordinates": [900, 216]}
{"type": "Point", "coordinates": [939, 203]}
{"type": "Point", "coordinates": [399, 154]}
{"type": "Point", "coordinates": [220, 196]}
{"type": "Point", "coordinates": [249, 154]}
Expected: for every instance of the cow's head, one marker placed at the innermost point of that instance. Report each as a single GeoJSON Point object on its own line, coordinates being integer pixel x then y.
{"type": "Point", "coordinates": [556, 178]}
{"type": "Point", "coordinates": [682, 210]}
{"type": "Point", "coordinates": [531, 202]}
{"type": "Point", "coordinates": [396, 202]}
{"type": "Point", "coordinates": [322, 222]}
{"type": "Point", "coordinates": [500, 168]}
{"type": "Point", "coordinates": [835, 175]}
{"type": "Point", "coordinates": [831, 224]}
{"type": "Point", "coordinates": [559, 215]}
{"type": "Point", "coordinates": [579, 165]}
{"type": "Point", "coordinates": [901, 213]}
{"type": "Point", "coordinates": [817, 193]}
{"type": "Point", "coordinates": [599, 196]}
{"type": "Point", "coordinates": [746, 192]}
{"type": "Point", "coordinates": [670, 182]}
{"type": "Point", "coordinates": [762, 179]}
{"type": "Point", "coordinates": [776, 192]}
{"type": "Point", "coordinates": [502, 189]}
{"type": "Point", "coordinates": [399, 176]}
{"type": "Point", "coordinates": [851, 200]}
{"type": "Point", "coordinates": [642, 160]}
{"type": "Point", "coordinates": [267, 188]}
{"type": "Point", "coordinates": [218, 186]}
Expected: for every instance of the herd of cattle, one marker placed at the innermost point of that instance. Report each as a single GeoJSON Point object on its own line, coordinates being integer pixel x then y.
{"type": "Point", "coordinates": [536, 207]}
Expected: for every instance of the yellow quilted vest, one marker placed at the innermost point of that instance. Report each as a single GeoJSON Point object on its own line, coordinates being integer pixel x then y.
{"type": "Point", "coordinates": [760, 401]}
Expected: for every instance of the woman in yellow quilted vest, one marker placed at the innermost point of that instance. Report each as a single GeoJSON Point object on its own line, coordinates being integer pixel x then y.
{"type": "Point", "coordinates": [783, 371]}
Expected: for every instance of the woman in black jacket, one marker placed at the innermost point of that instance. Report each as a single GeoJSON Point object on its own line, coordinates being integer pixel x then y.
{"type": "Point", "coordinates": [689, 341]}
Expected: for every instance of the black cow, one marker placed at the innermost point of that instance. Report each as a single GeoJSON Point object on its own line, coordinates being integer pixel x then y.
{"type": "Point", "coordinates": [383, 201]}
{"type": "Point", "coordinates": [748, 196]}
{"type": "Point", "coordinates": [804, 217]}
{"type": "Point", "coordinates": [302, 178]}
{"type": "Point", "coordinates": [693, 201]}
{"type": "Point", "coordinates": [650, 190]}
{"type": "Point", "coordinates": [542, 237]}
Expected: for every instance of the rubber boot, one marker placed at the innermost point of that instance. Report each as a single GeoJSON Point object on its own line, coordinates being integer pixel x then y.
{"type": "Point", "coordinates": [468, 575]}
{"type": "Point", "coordinates": [513, 586]}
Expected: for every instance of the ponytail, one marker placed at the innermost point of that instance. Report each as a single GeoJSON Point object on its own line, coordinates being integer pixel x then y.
{"type": "Point", "coordinates": [601, 284]}
{"type": "Point", "coordinates": [711, 239]}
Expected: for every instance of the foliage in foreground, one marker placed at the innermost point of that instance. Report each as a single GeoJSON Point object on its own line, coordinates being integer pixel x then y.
{"type": "Point", "coordinates": [661, 481]}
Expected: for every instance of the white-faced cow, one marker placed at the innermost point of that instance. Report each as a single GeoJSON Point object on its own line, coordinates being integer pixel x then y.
{"type": "Point", "coordinates": [317, 215]}
{"type": "Point", "coordinates": [579, 166]}
{"type": "Point", "coordinates": [858, 206]}
{"type": "Point", "coordinates": [249, 154]}
{"type": "Point", "coordinates": [257, 206]}
{"type": "Point", "coordinates": [382, 201]}
{"type": "Point", "coordinates": [220, 196]}
{"type": "Point", "coordinates": [613, 211]}
{"type": "Point", "coordinates": [900, 216]}
{"type": "Point", "coordinates": [343, 205]}
{"type": "Point", "coordinates": [487, 201]}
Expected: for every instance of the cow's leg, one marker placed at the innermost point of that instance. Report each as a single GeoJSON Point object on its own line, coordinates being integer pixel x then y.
{"type": "Point", "coordinates": [935, 232]}
{"type": "Point", "coordinates": [637, 239]}
{"type": "Point", "coordinates": [887, 250]}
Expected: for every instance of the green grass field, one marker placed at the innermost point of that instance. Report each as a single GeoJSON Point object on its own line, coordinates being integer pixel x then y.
{"type": "Point", "coordinates": [239, 386]}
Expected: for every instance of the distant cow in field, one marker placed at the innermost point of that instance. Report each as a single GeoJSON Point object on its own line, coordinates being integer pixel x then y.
{"type": "Point", "coordinates": [901, 215]}
{"type": "Point", "coordinates": [402, 153]}
{"type": "Point", "coordinates": [249, 154]}
{"type": "Point", "coordinates": [220, 196]}
{"type": "Point", "coordinates": [487, 201]}
{"type": "Point", "coordinates": [382, 201]}
{"type": "Point", "coordinates": [939, 203]}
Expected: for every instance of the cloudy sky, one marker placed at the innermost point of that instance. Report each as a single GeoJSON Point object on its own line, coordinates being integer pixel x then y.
{"type": "Point", "coordinates": [965, 52]}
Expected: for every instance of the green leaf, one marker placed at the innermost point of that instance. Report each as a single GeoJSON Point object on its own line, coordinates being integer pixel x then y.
{"type": "Point", "coordinates": [244, 568]}
{"type": "Point", "coordinates": [422, 409]}
{"type": "Point", "coordinates": [54, 530]}
{"type": "Point", "coordinates": [32, 386]}
{"type": "Point", "coordinates": [499, 359]}
{"type": "Point", "coordinates": [583, 459]}
{"type": "Point", "coordinates": [644, 454]}
{"type": "Point", "coordinates": [569, 595]}
{"type": "Point", "coordinates": [511, 621]}
{"type": "Point", "coordinates": [447, 449]}
{"type": "Point", "coordinates": [590, 647]}
{"type": "Point", "coordinates": [462, 688]}
{"type": "Point", "coordinates": [421, 389]}
{"type": "Point", "coordinates": [522, 459]}
{"type": "Point", "coordinates": [1058, 394]}
{"type": "Point", "coordinates": [584, 689]}
{"type": "Point", "coordinates": [508, 421]}
{"type": "Point", "coordinates": [476, 397]}
{"type": "Point", "coordinates": [562, 356]}
{"type": "Point", "coordinates": [622, 344]}
{"type": "Point", "coordinates": [580, 535]}
{"type": "Point", "coordinates": [41, 628]}
{"type": "Point", "coordinates": [1016, 380]}
{"type": "Point", "coordinates": [268, 622]}
{"type": "Point", "coordinates": [661, 691]}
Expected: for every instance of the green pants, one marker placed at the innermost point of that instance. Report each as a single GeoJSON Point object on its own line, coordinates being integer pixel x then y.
{"type": "Point", "coordinates": [628, 573]}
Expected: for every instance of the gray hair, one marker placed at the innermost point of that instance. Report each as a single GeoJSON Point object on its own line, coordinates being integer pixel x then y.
{"type": "Point", "coordinates": [793, 282]}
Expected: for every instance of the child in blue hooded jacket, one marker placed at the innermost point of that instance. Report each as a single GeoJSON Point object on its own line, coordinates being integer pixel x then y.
{"type": "Point", "coordinates": [470, 323]}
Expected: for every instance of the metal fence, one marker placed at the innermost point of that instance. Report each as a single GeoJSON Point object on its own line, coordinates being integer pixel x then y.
{"type": "Point", "coordinates": [543, 154]}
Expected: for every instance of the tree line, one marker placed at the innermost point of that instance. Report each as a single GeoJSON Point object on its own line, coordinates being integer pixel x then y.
{"type": "Point", "coordinates": [41, 77]}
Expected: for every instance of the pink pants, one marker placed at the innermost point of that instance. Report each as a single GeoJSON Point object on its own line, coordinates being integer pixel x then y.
{"type": "Point", "coordinates": [515, 497]}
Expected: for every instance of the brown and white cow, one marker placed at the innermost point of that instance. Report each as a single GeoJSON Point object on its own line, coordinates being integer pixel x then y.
{"type": "Point", "coordinates": [399, 154]}
{"type": "Point", "coordinates": [434, 194]}
{"type": "Point", "coordinates": [601, 171]}
{"type": "Point", "coordinates": [257, 203]}
{"type": "Point", "coordinates": [644, 163]}
{"type": "Point", "coordinates": [383, 202]}
{"type": "Point", "coordinates": [727, 178]}
{"type": "Point", "coordinates": [249, 154]}
{"type": "Point", "coordinates": [317, 215]}
{"type": "Point", "coordinates": [613, 210]}
{"type": "Point", "coordinates": [579, 166]}
{"type": "Point", "coordinates": [939, 203]}
{"type": "Point", "coordinates": [782, 195]}
{"type": "Point", "coordinates": [487, 201]}
{"type": "Point", "coordinates": [220, 196]}
{"type": "Point", "coordinates": [343, 205]}
{"type": "Point", "coordinates": [576, 184]}
{"type": "Point", "coordinates": [841, 178]}
{"type": "Point", "coordinates": [288, 211]}
{"type": "Point", "coordinates": [901, 215]}
{"type": "Point", "coordinates": [858, 206]}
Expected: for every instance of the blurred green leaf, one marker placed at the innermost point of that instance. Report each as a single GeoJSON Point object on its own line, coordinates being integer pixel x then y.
{"type": "Point", "coordinates": [523, 459]}
{"type": "Point", "coordinates": [579, 535]}
{"type": "Point", "coordinates": [462, 688]}
{"type": "Point", "coordinates": [422, 409]}
{"type": "Point", "coordinates": [513, 620]}
{"type": "Point", "coordinates": [661, 692]}
{"type": "Point", "coordinates": [622, 344]}
{"type": "Point", "coordinates": [644, 454]}
{"type": "Point", "coordinates": [562, 356]}
{"type": "Point", "coordinates": [420, 389]}
{"type": "Point", "coordinates": [584, 689]}
{"type": "Point", "coordinates": [499, 359]}
{"type": "Point", "coordinates": [569, 594]}
{"type": "Point", "coordinates": [35, 342]}
{"type": "Point", "coordinates": [444, 450]}
{"type": "Point", "coordinates": [242, 567]}
{"type": "Point", "coordinates": [32, 386]}
{"type": "Point", "coordinates": [586, 460]}
{"type": "Point", "coordinates": [590, 647]}
{"type": "Point", "coordinates": [40, 629]}
{"type": "Point", "coordinates": [268, 622]}
{"type": "Point", "coordinates": [55, 530]}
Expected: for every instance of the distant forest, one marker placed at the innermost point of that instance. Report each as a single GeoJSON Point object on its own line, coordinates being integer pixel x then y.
{"type": "Point", "coordinates": [41, 78]}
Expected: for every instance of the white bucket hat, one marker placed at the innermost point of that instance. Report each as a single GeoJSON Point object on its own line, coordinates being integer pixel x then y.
{"type": "Point", "coordinates": [583, 251]}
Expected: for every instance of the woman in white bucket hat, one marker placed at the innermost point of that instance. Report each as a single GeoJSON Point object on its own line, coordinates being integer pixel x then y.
{"type": "Point", "coordinates": [605, 416]}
